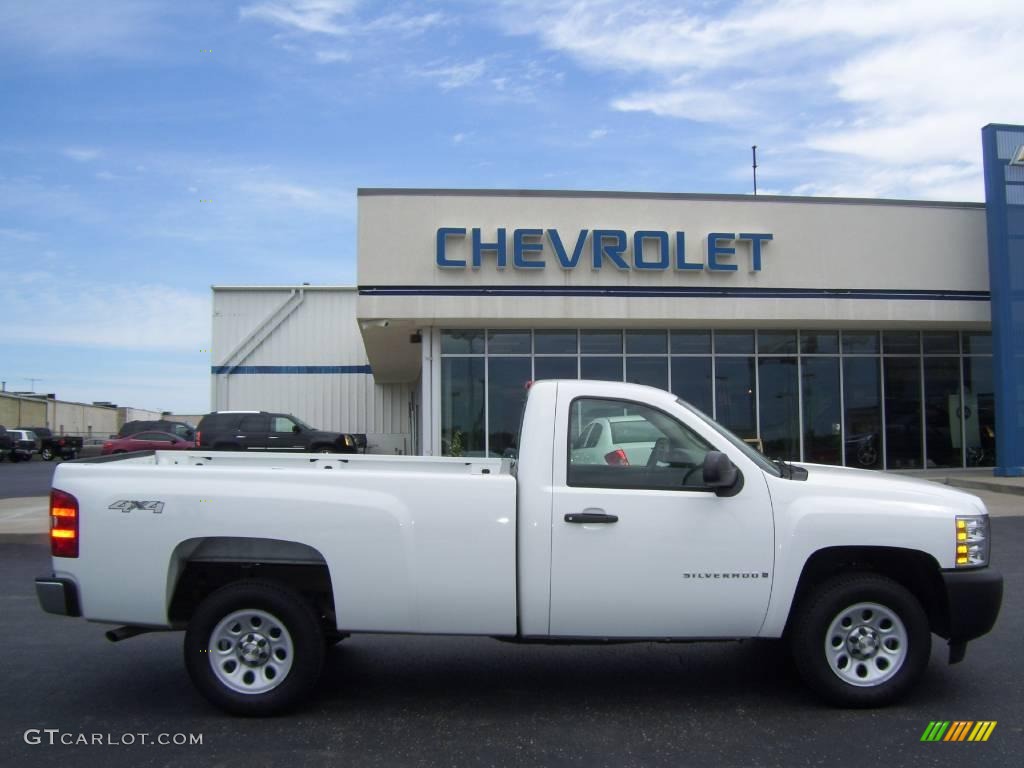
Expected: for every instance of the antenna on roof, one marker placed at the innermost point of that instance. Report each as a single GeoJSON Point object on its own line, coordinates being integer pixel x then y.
{"type": "Point", "coordinates": [753, 151]}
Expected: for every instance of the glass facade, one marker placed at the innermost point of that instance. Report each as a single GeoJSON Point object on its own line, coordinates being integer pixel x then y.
{"type": "Point", "coordinates": [869, 399]}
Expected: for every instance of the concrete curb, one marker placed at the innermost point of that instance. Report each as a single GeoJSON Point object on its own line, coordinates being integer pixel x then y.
{"type": "Point", "coordinates": [982, 485]}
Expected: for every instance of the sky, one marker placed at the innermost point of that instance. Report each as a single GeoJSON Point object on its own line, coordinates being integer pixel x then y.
{"type": "Point", "coordinates": [150, 150]}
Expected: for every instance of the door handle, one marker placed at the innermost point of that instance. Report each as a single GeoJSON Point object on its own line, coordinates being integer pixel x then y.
{"type": "Point", "coordinates": [591, 517]}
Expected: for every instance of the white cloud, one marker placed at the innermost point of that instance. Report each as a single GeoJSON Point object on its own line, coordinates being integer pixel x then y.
{"type": "Point", "coordinates": [81, 154]}
{"type": "Point", "coordinates": [336, 18]}
{"type": "Point", "coordinates": [330, 57]}
{"type": "Point", "coordinates": [315, 16]}
{"type": "Point", "coordinates": [597, 133]}
{"type": "Point", "coordinates": [458, 138]}
{"type": "Point", "coordinates": [452, 76]}
{"type": "Point", "coordinates": [21, 235]}
{"type": "Point", "coordinates": [106, 176]}
{"type": "Point", "coordinates": [166, 318]}
{"type": "Point", "coordinates": [63, 28]}
{"type": "Point", "coordinates": [698, 104]}
{"type": "Point", "coordinates": [900, 87]}
{"type": "Point", "coordinates": [404, 25]}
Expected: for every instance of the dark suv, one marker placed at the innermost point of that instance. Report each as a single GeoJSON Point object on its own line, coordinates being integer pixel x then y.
{"type": "Point", "coordinates": [262, 431]}
{"type": "Point", "coordinates": [177, 428]}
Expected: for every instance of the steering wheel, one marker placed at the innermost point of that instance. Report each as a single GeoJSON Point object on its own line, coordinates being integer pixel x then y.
{"type": "Point", "coordinates": [690, 471]}
{"type": "Point", "coordinates": [658, 452]}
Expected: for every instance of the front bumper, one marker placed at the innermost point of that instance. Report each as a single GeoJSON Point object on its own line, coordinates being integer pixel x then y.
{"type": "Point", "coordinates": [59, 596]}
{"type": "Point", "coordinates": [974, 598]}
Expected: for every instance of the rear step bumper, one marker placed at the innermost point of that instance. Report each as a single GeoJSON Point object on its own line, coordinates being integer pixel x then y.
{"type": "Point", "coordinates": [59, 596]}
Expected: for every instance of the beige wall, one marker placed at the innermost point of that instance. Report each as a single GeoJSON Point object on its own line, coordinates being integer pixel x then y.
{"type": "Point", "coordinates": [82, 419]}
{"type": "Point", "coordinates": [21, 411]}
{"type": "Point", "coordinates": [818, 244]}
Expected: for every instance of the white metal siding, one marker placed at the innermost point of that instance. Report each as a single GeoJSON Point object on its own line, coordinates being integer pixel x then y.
{"type": "Point", "coordinates": [321, 330]}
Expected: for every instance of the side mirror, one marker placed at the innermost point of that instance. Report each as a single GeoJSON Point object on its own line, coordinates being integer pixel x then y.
{"type": "Point", "coordinates": [720, 473]}
{"type": "Point", "coordinates": [296, 429]}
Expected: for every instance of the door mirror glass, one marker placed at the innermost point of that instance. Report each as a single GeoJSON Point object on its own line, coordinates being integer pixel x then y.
{"type": "Point", "coordinates": [296, 429]}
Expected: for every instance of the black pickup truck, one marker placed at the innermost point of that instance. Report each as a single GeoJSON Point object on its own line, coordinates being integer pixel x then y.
{"type": "Point", "coordinates": [56, 446]}
{"type": "Point", "coordinates": [6, 443]}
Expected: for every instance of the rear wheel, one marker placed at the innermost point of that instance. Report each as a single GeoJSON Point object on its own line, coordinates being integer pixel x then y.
{"type": "Point", "coordinates": [861, 640]}
{"type": "Point", "coordinates": [254, 648]}
{"type": "Point", "coordinates": [47, 454]}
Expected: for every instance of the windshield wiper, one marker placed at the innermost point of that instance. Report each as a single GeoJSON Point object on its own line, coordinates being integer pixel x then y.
{"type": "Point", "coordinates": [789, 470]}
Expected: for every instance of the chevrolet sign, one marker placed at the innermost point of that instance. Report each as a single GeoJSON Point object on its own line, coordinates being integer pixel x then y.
{"type": "Point", "coordinates": [648, 249]}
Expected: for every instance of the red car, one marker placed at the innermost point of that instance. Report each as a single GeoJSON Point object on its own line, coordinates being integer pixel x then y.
{"type": "Point", "coordinates": [147, 441]}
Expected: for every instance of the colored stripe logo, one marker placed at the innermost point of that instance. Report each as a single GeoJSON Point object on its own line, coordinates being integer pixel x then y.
{"type": "Point", "coordinates": [958, 730]}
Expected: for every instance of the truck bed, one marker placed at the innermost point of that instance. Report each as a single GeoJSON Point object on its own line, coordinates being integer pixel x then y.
{"type": "Point", "coordinates": [412, 544]}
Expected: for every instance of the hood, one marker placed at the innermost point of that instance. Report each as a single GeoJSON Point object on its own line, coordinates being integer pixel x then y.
{"type": "Point", "coordinates": [868, 484]}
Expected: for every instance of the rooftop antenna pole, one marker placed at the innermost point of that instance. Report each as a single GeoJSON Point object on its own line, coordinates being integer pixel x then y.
{"type": "Point", "coordinates": [32, 382]}
{"type": "Point", "coordinates": [753, 151]}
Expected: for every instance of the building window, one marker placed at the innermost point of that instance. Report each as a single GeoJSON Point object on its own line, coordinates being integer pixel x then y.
{"type": "Point", "coordinates": [863, 398]}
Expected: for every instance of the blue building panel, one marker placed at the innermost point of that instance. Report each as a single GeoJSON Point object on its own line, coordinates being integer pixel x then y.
{"type": "Point", "coordinates": [1004, 205]}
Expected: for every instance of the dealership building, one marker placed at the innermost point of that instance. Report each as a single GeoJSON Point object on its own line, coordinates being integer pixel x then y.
{"type": "Point", "coordinates": [884, 334]}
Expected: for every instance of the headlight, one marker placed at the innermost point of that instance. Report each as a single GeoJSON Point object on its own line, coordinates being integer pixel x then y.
{"type": "Point", "coordinates": [972, 541]}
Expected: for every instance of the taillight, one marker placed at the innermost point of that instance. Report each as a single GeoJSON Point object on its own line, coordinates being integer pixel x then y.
{"type": "Point", "coordinates": [199, 436]}
{"type": "Point", "coordinates": [63, 524]}
{"type": "Point", "coordinates": [617, 458]}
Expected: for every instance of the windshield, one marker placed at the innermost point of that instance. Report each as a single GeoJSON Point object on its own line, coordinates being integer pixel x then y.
{"type": "Point", "coordinates": [749, 451]}
{"type": "Point", "coordinates": [303, 424]}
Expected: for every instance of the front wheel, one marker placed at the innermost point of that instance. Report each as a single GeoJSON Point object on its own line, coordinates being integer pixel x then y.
{"type": "Point", "coordinates": [47, 454]}
{"type": "Point", "coordinates": [860, 640]}
{"type": "Point", "coordinates": [254, 648]}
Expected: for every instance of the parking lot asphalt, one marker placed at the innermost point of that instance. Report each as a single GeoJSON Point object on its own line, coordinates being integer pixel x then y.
{"type": "Point", "coordinates": [408, 701]}
{"type": "Point", "coordinates": [26, 478]}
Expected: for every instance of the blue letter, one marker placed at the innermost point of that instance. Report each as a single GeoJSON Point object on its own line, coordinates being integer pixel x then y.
{"type": "Point", "coordinates": [715, 250]}
{"type": "Point", "coordinates": [521, 248]}
{"type": "Point", "coordinates": [442, 234]}
{"type": "Point", "coordinates": [638, 249]}
{"type": "Point", "coordinates": [479, 248]}
{"type": "Point", "coordinates": [681, 262]}
{"type": "Point", "coordinates": [755, 248]}
{"type": "Point", "coordinates": [613, 252]}
{"type": "Point", "coordinates": [563, 259]}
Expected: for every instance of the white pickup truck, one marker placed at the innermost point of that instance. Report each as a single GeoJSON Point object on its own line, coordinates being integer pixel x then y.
{"type": "Point", "coordinates": [680, 531]}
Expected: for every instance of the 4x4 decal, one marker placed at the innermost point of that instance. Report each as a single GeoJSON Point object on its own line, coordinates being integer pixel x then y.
{"type": "Point", "coordinates": [156, 507]}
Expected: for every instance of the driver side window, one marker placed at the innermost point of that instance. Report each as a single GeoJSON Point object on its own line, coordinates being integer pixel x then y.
{"type": "Point", "coordinates": [630, 445]}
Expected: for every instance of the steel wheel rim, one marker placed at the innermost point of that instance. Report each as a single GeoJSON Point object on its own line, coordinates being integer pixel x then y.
{"type": "Point", "coordinates": [866, 644]}
{"type": "Point", "coordinates": [251, 651]}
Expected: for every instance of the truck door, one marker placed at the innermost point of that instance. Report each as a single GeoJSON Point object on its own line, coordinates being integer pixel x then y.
{"type": "Point", "coordinates": [286, 435]}
{"type": "Point", "coordinates": [639, 547]}
{"type": "Point", "coordinates": [252, 432]}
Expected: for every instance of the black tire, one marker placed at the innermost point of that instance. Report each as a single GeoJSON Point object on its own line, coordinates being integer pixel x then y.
{"type": "Point", "coordinates": [284, 606]}
{"type": "Point", "coordinates": [47, 454]}
{"type": "Point", "coordinates": [322, 449]}
{"type": "Point", "coordinates": [866, 644]}
{"type": "Point", "coordinates": [15, 458]}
